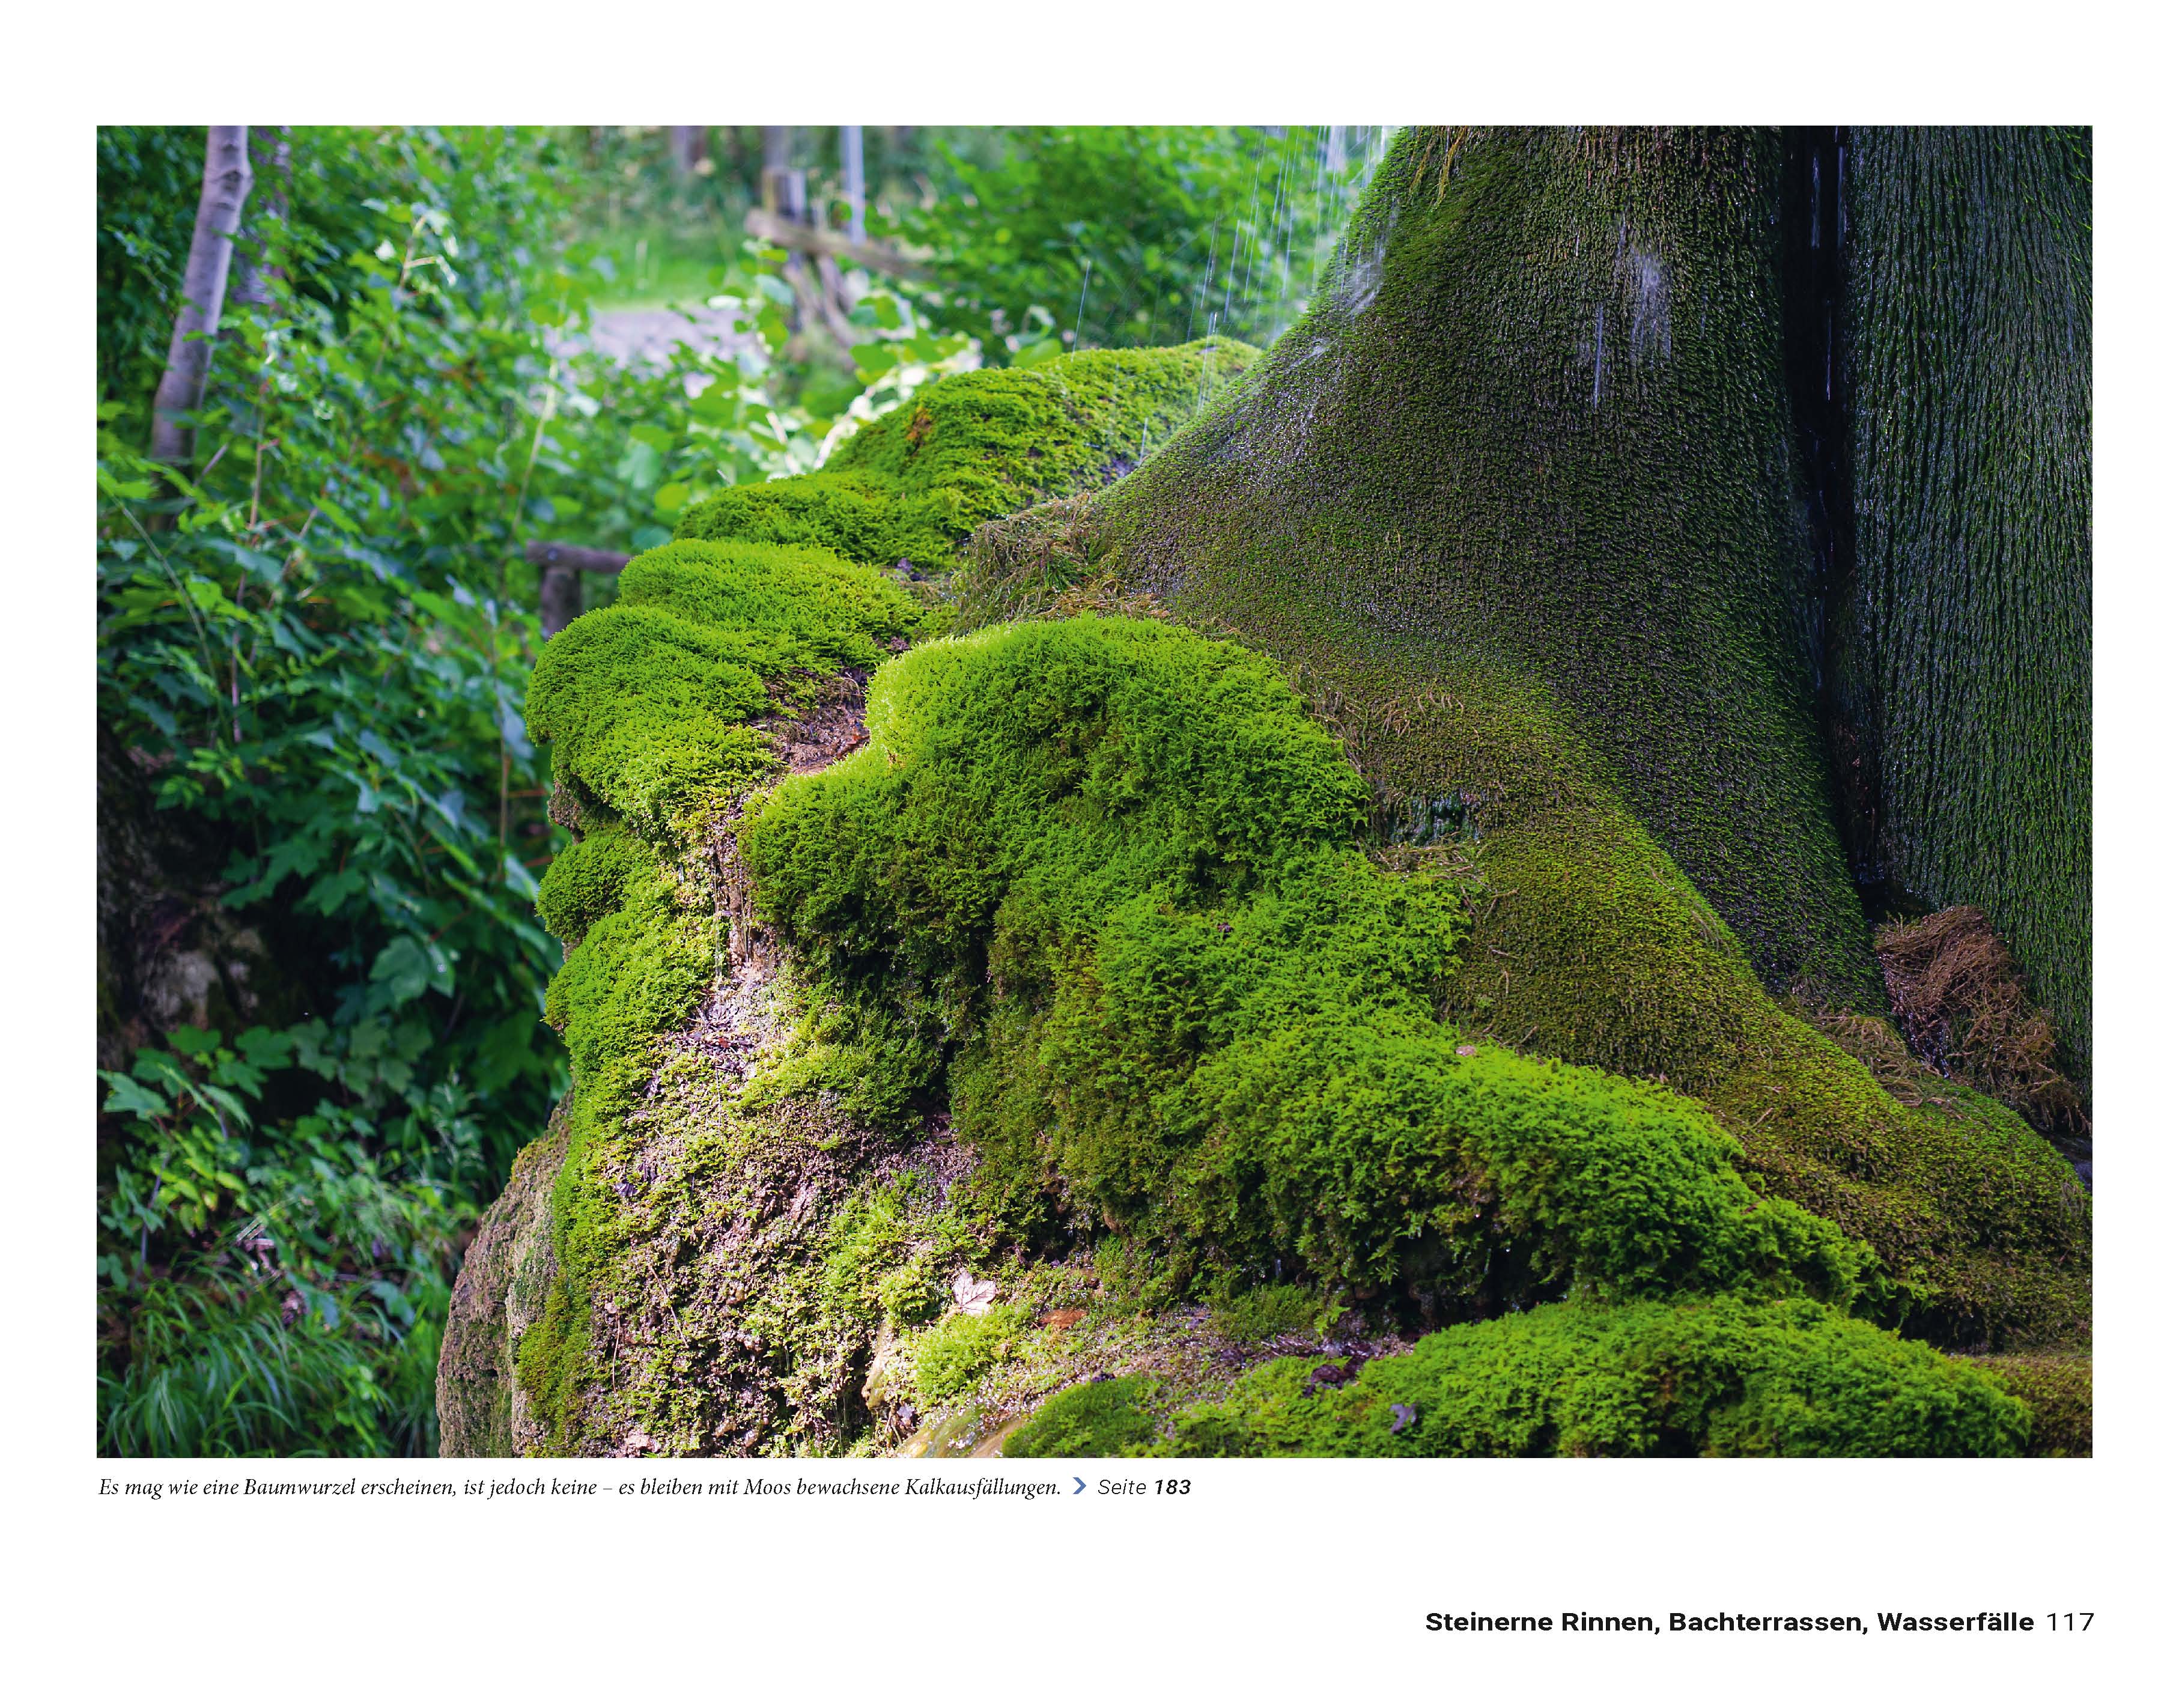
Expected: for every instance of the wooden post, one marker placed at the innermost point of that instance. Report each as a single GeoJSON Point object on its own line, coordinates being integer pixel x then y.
{"type": "Point", "coordinates": [558, 600]}
{"type": "Point", "coordinates": [689, 147]}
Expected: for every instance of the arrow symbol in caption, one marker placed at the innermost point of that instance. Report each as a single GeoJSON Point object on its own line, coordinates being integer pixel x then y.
{"type": "Point", "coordinates": [1080, 1489]}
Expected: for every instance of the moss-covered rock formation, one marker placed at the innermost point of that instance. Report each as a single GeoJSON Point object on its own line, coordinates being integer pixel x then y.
{"type": "Point", "coordinates": [1723, 1376]}
{"type": "Point", "coordinates": [1107, 872]}
{"type": "Point", "coordinates": [907, 487]}
{"type": "Point", "coordinates": [722, 664]}
{"type": "Point", "coordinates": [1396, 914]}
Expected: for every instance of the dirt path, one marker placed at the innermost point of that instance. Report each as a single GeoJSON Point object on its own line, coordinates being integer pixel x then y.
{"type": "Point", "coordinates": [645, 335]}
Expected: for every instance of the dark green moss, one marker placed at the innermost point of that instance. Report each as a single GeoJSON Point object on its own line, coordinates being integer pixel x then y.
{"type": "Point", "coordinates": [1094, 1420]}
{"type": "Point", "coordinates": [1723, 1376]}
{"type": "Point", "coordinates": [2059, 1389]}
{"type": "Point", "coordinates": [1261, 1313]}
{"type": "Point", "coordinates": [1963, 658]}
{"type": "Point", "coordinates": [910, 485]}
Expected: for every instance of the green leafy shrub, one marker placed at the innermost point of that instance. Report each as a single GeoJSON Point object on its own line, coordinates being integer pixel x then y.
{"type": "Point", "coordinates": [309, 670]}
{"type": "Point", "coordinates": [1113, 235]}
{"type": "Point", "coordinates": [1725, 1376]}
{"type": "Point", "coordinates": [271, 1287]}
{"type": "Point", "coordinates": [1094, 1420]}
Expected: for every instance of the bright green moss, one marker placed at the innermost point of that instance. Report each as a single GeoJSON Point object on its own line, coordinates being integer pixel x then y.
{"type": "Point", "coordinates": [799, 609]}
{"type": "Point", "coordinates": [1722, 1376]}
{"type": "Point", "coordinates": [1114, 864]}
{"type": "Point", "coordinates": [587, 881]}
{"type": "Point", "coordinates": [1092, 1420]}
{"type": "Point", "coordinates": [892, 1251]}
{"type": "Point", "coordinates": [1002, 438]}
{"type": "Point", "coordinates": [867, 518]}
{"type": "Point", "coordinates": [635, 977]}
{"type": "Point", "coordinates": [953, 1355]}
{"type": "Point", "coordinates": [649, 704]}
{"type": "Point", "coordinates": [910, 486]}
{"type": "Point", "coordinates": [648, 711]}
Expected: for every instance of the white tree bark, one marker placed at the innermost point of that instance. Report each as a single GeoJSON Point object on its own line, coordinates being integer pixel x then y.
{"type": "Point", "coordinates": [226, 182]}
{"type": "Point", "coordinates": [853, 141]}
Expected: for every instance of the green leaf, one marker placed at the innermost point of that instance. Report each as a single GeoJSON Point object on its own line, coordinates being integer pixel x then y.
{"type": "Point", "coordinates": [263, 1048]}
{"type": "Point", "coordinates": [407, 967]}
{"type": "Point", "coordinates": [129, 1098]}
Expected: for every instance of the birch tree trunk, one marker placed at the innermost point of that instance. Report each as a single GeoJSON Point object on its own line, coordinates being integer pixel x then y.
{"type": "Point", "coordinates": [226, 178]}
{"type": "Point", "coordinates": [852, 138]}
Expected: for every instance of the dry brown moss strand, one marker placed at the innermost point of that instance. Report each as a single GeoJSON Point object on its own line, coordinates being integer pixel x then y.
{"type": "Point", "coordinates": [1968, 640]}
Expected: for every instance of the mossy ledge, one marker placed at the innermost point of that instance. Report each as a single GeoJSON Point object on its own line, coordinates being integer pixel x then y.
{"type": "Point", "coordinates": [905, 488]}
{"type": "Point", "coordinates": [1345, 943]}
{"type": "Point", "coordinates": [726, 663]}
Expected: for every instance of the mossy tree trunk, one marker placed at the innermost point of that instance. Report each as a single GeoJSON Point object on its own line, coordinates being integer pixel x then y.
{"type": "Point", "coordinates": [1542, 420]}
{"type": "Point", "coordinates": [1542, 423]}
{"type": "Point", "coordinates": [1961, 647]}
